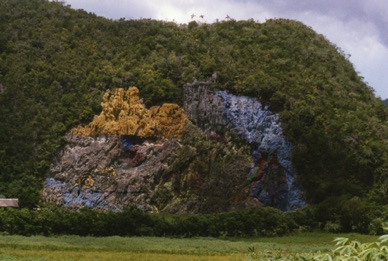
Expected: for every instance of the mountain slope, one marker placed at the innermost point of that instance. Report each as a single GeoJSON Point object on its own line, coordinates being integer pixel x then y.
{"type": "Point", "coordinates": [57, 63]}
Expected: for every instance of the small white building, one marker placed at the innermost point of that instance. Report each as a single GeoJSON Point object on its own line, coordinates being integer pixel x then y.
{"type": "Point", "coordinates": [9, 203]}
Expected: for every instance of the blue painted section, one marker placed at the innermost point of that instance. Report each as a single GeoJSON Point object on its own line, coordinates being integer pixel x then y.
{"type": "Point", "coordinates": [75, 196]}
{"type": "Point", "coordinates": [127, 141]}
{"type": "Point", "coordinates": [276, 185]}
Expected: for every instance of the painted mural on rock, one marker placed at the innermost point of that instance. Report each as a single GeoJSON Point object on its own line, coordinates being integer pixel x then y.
{"type": "Point", "coordinates": [195, 166]}
{"type": "Point", "coordinates": [115, 161]}
{"type": "Point", "coordinates": [99, 172]}
{"type": "Point", "coordinates": [272, 178]}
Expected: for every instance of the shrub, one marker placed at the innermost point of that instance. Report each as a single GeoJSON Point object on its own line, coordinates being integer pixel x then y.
{"type": "Point", "coordinates": [376, 226]}
{"type": "Point", "coordinates": [344, 214]}
{"type": "Point", "coordinates": [345, 250]}
{"type": "Point", "coordinates": [354, 250]}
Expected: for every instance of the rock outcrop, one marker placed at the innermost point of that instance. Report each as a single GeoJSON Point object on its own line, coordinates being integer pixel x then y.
{"type": "Point", "coordinates": [116, 160]}
{"type": "Point", "coordinates": [97, 172]}
{"type": "Point", "coordinates": [231, 154]}
{"type": "Point", "coordinates": [202, 107]}
{"type": "Point", "coordinates": [272, 176]}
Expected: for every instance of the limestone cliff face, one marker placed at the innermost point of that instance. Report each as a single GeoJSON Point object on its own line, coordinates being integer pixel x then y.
{"type": "Point", "coordinates": [97, 172]}
{"type": "Point", "coordinates": [123, 113]}
{"type": "Point", "coordinates": [272, 177]}
{"type": "Point", "coordinates": [116, 160]}
{"type": "Point", "coordinates": [230, 154]}
{"type": "Point", "coordinates": [202, 107]}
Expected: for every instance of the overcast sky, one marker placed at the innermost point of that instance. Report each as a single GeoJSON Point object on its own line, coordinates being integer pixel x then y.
{"type": "Point", "coordinates": [358, 27]}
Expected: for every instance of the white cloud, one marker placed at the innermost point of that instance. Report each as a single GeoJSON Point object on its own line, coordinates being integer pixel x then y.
{"type": "Point", "coordinates": [181, 11]}
{"type": "Point", "coordinates": [370, 58]}
{"type": "Point", "coordinates": [129, 9]}
{"type": "Point", "coordinates": [376, 8]}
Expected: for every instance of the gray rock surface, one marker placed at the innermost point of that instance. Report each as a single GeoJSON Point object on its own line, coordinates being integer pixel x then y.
{"type": "Point", "coordinates": [96, 172]}
{"type": "Point", "coordinates": [273, 177]}
{"type": "Point", "coordinates": [202, 107]}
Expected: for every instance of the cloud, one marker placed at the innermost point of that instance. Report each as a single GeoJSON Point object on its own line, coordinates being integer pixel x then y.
{"type": "Point", "coordinates": [129, 9]}
{"type": "Point", "coordinates": [371, 60]}
{"type": "Point", "coordinates": [182, 11]}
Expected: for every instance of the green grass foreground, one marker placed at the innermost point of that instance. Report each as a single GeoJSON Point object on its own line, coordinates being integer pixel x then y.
{"type": "Point", "coordinates": [158, 248]}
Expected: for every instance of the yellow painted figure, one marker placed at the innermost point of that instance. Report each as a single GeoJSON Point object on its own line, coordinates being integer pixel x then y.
{"type": "Point", "coordinates": [123, 113]}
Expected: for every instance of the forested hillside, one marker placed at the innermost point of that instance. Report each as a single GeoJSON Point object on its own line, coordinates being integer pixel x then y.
{"type": "Point", "coordinates": [56, 63]}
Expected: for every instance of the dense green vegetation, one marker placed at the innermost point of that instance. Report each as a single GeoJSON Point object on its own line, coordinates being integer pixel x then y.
{"type": "Point", "coordinates": [56, 62]}
{"type": "Point", "coordinates": [52, 221]}
{"type": "Point", "coordinates": [134, 222]}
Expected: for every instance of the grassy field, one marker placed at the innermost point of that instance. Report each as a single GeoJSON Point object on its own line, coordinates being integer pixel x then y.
{"type": "Point", "coordinates": [156, 248]}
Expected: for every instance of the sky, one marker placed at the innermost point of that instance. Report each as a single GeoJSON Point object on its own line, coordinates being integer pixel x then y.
{"type": "Point", "coordinates": [358, 27]}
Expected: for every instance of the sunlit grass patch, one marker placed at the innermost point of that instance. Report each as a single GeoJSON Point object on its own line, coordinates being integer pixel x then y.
{"type": "Point", "coordinates": [43, 255]}
{"type": "Point", "coordinates": [66, 248]}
